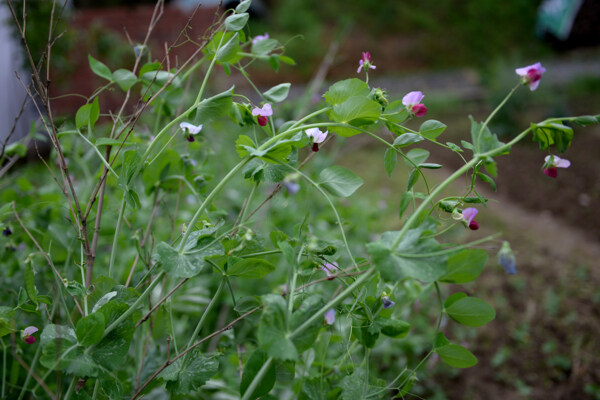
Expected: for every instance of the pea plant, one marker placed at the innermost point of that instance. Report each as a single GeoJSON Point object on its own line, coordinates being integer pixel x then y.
{"type": "Point", "coordinates": [202, 245]}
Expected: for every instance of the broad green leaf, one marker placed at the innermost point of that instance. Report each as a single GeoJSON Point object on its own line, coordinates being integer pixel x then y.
{"type": "Point", "coordinates": [417, 156]}
{"type": "Point", "coordinates": [339, 181]}
{"type": "Point", "coordinates": [124, 78]}
{"type": "Point", "coordinates": [390, 159]}
{"type": "Point", "coordinates": [236, 22]}
{"type": "Point", "coordinates": [192, 375]}
{"type": "Point", "coordinates": [59, 346]}
{"type": "Point", "coordinates": [487, 179]}
{"type": "Point", "coordinates": [393, 327]}
{"type": "Point", "coordinates": [89, 329]}
{"type": "Point", "coordinates": [454, 147]}
{"type": "Point", "coordinates": [214, 107]}
{"type": "Point", "coordinates": [356, 111]}
{"type": "Point", "coordinates": [83, 365]}
{"type": "Point", "coordinates": [153, 176]}
{"type": "Point", "coordinates": [309, 306]}
{"type": "Point", "coordinates": [30, 282]}
{"type": "Point", "coordinates": [251, 268]}
{"type": "Point", "coordinates": [52, 332]}
{"type": "Point", "coordinates": [287, 60]}
{"type": "Point", "coordinates": [228, 53]}
{"type": "Point", "coordinates": [341, 91]}
{"type": "Point", "coordinates": [454, 298]}
{"type": "Point", "coordinates": [253, 365]}
{"type": "Point", "coordinates": [441, 340]}
{"type": "Point", "coordinates": [407, 139]}
{"type": "Point", "coordinates": [6, 314]}
{"type": "Point", "coordinates": [456, 356]}
{"type": "Point", "coordinates": [99, 68]}
{"type": "Point", "coordinates": [483, 139]}
{"type": "Point", "coordinates": [110, 388]}
{"type": "Point", "coordinates": [243, 6]}
{"type": "Point", "coordinates": [274, 62]}
{"type": "Point", "coordinates": [552, 134]}
{"type": "Point", "coordinates": [278, 93]}
{"type": "Point", "coordinates": [586, 120]}
{"type": "Point", "coordinates": [272, 333]}
{"type": "Point", "coordinates": [161, 78]}
{"type": "Point", "coordinates": [16, 148]}
{"type": "Point", "coordinates": [264, 47]}
{"type": "Point", "coordinates": [432, 129]}
{"type": "Point", "coordinates": [354, 386]}
{"type": "Point", "coordinates": [395, 113]}
{"type": "Point", "coordinates": [87, 114]}
{"type": "Point", "coordinates": [471, 311]}
{"type": "Point", "coordinates": [111, 351]}
{"type": "Point", "coordinates": [465, 266]}
{"type": "Point", "coordinates": [410, 259]}
{"type": "Point", "coordinates": [192, 261]}
{"type": "Point", "coordinates": [150, 66]}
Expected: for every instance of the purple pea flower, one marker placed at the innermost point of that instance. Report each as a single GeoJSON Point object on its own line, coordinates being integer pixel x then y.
{"type": "Point", "coordinates": [330, 269]}
{"type": "Point", "coordinates": [262, 114]}
{"type": "Point", "coordinates": [506, 259]}
{"type": "Point", "coordinates": [552, 163]}
{"type": "Point", "coordinates": [258, 38]}
{"type": "Point", "coordinates": [330, 316]}
{"type": "Point", "coordinates": [412, 101]}
{"type": "Point", "coordinates": [6, 231]}
{"type": "Point", "coordinates": [317, 136]}
{"type": "Point", "coordinates": [387, 303]}
{"type": "Point", "coordinates": [468, 215]}
{"type": "Point", "coordinates": [190, 130]}
{"type": "Point", "coordinates": [531, 75]}
{"type": "Point", "coordinates": [28, 334]}
{"type": "Point", "coordinates": [365, 62]}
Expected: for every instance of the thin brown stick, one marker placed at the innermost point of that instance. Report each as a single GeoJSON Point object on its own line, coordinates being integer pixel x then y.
{"type": "Point", "coordinates": [35, 376]}
{"type": "Point", "coordinates": [149, 313]}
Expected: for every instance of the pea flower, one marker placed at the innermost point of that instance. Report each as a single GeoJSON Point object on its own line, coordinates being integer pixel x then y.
{"type": "Point", "coordinates": [262, 114]}
{"type": "Point", "coordinates": [330, 269]}
{"type": "Point", "coordinates": [387, 303]}
{"type": "Point", "coordinates": [190, 130]}
{"type": "Point", "coordinates": [468, 217]}
{"type": "Point", "coordinates": [28, 334]}
{"type": "Point", "coordinates": [317, 136]}
{"type": "Point", "coordinates": [552, 163]}
{"type": "Point", "coordinates": [6, 231]}
{"type": "Point", "coordinates": [365, 62]}
{"type": "Point", "coordinates": [258, 38]}
{"type": "Point", "coordinates": [506, 259]}
{"type": "Point", "coordinates": [531, 75]}
{"type": "Point", "coordinates": [330, 316]}
{"type": "Point", "coordinates": [412, 101]}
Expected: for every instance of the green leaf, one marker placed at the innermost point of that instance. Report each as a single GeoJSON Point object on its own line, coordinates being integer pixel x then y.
{"type": "Point", "coordinates": [278, 93]}
{"type": "Point", "coordinates": [456, 356]}
{"type": "Point", "coordinates": [410, 259]}
{"type": "Point", "coordinates": [552, 134]}
{"type": "Point", "coordinates": [243, 6]}
{"type": "Point", "coordinates": [111, 351]}
{"type": "Point", "coordinates": [465, 266]}
{"type": "Point", "coordinates": [236, 22]}
{"type": "Point", "coordinates": [483, 140]}
{"type": "Point", "coordinates": [417, 156]}
{"type": "Point", "coordinates": [272, 333]}
{"type": "Point", "coordinates": [404, 203]}
{"type": "Point", "coordinates": [471, 311]}
{"type": "Point", "coordinates": [430, 166]}
{"type": "Point", "coordinates": [192, 261]}
{"type": "Point", "coordinates": [83, 365]}
{"type": "Point", "coordinates": [228, 53]}
{"type": "Point", "coordinates": [407, 139]}
{"type": "Point", "coordinates": [586, 120]}
{"type": "Point", "coordinates": [99, 68]}
{"type": "Point", "coordinates": [30, 283]}
{"type": "Point", "coordinates": [412, 179]}
{"type": "Point", "coordinates": [287, 60]}
{"type": "Point", "coordinates": [390, 159]}
{"type": "Point", "coordinates": [251, 268]}
{"type": "Point", "coordinates": [309, 307]}
{"type": "Point", "coordinates": [17, 148]}
{"type": "Point", "coordinates": [341, 91]}
{"type": "Point", "coordinates": [354, 386]}
{"type": "Point", "coordinates": [394, 328]}
{"type": "Point", "coordinates": [184, 378]}
{"type": "Point", "coordinates": [264, 47]}
{"type": "Point", "coordinates": [432, 129]}
{"type": "Point", "coordinates": [87, 114]}
{"type": "Point", "coordinates": [253, 365]}
{"type": "Point", "coordinates": [339, 181]}
{"type": "Point", "coordinates": [454, 147]}
{"type": "Point", "coordinates": [454, 298]}
{"type": "Point", "coordinates": [52, 332]}
{"type": "Point", "coordinates": [487, 179]}
{"type": "Point", "coordinates": [356, 111]}
{"type": "Point", "coordinates": [395, 113]}
{"type": "Point", "coordinates": [89, 330]}
{"type": "Point", "coordinates": [214, 107]}
{"type": "Point", "coordinates": [124, 78]}
{"type": "Point", "coordinates": [59, 346]}
{"type": "Point", "coordinates": [104, 141]}
{"type": "Point", "coordinates": [161, 78]}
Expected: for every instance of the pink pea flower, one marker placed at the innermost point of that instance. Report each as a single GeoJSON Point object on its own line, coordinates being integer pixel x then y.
{"type": "Point", "coordinates": [552, 163]}
{"type": "Point", "coordinates": [468, 216]}
{"type": "Point", "coordinates": [365, 62]}
{"type": "Point", "coordinates": [262, 114]}
{"type": "Point", "coordinates": [258, 38]}
{"type": "Point", "coordinates": [190, 130]}
{"type": "Point", "coordinates": [317, 136]}
{"type": "Point", "coordinates": [330, 269]}
{"type": "Point", "coordinates": [531, 75]}
{"type": "Point", "coordinates": [330, 316]}
{"type": "Point", "coordinates": [412, 101]}
{"type": "Point", "coordinates": [28, 334]}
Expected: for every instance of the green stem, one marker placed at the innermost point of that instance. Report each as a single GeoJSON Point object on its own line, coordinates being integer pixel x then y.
{"type": "Point", "coordinates": [259, 376]}
{"type": "Point", "coordinates": [3, 367]}
{"type": "Point", "coordinates": [115, 243]}
{"type": "Point", "coordinates": [489, 118]}
{"type": "Point", "coordinates": [96, 387]}
{"type": "Point", "coordinates": [207, 311]}
{"type": "Point", "coordinates": [448, 251]}
{"type": "Point", "coordinates": [439, 296]}
{"type": "Point", "coordinates": [208, 71]}
{"type": "Point", "coordinates": [209, 198]}
{"type": "Point", "coordinates": [71, 388]}
{"type": "Point", "coordinates": [337, 300]}
{"type": "Point", "coordinates": [106, 164]}
{"type": "Point", "coordinates": [292, 287]}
